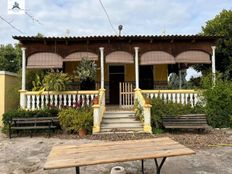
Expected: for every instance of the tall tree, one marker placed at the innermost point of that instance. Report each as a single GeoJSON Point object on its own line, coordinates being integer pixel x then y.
{"type": "Point", "coordinates": [221, 25]}
{"type": "Point", "coordinates": [10, 58]}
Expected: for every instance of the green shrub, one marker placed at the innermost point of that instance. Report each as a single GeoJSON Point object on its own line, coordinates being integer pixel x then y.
{"type": "Point", "coordinates": [72, 120]}
{"type": "Point", "coordinates": [218, 101]}
{"type": "Point", "coordinates": [160, 109]}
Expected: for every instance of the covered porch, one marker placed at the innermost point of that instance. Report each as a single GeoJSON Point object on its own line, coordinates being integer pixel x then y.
{"type": "Point", "coordinates": [129, 68]}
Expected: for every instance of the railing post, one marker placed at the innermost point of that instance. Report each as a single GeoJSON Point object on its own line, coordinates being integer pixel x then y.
{"type": "Point", "coordinates": [147, 118]}
{"type": "Point", "coordinates": [23, 102]}
{"type": "Point", "coordinates": [96, 118]}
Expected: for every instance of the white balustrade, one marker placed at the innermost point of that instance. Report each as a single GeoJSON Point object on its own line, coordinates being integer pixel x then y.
{"type": "Point", "coordinates": [38, 100]}
{"type": "Point", "coordinates": [176, 96]}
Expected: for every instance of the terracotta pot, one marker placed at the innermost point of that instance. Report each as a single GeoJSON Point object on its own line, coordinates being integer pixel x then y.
{"type": "Point", "coordinates": [148, 101]}
{"type": "Point", "coordinates": [82, 132]}
{"type": "Point", "coordinates": [95, 100]}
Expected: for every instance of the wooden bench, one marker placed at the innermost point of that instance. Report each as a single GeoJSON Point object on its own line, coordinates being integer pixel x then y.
{"type": "Point", "coordinates": [35, 123]}
{"type": "Point", "coordinates": [66, 156]}
{"type": "Point", "coordinates": [189, 121]}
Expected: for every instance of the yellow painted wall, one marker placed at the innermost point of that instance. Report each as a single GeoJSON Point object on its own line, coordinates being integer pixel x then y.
{"type": "Point", "coordinates": [161, 72]}
{"type": "Point", "coordinates": [129, 72]}
{"type": "Point", "coordinates": [9, 96]}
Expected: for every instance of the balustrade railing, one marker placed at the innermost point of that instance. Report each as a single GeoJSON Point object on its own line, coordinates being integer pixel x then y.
{"type": "Point", "coordinates": [40, 100]}
{"type": "Point", "coordinates": [191, 97]}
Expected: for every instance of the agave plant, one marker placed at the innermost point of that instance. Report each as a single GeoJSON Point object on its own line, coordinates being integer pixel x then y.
{"type": "Point", "coordinates": [56, 81]}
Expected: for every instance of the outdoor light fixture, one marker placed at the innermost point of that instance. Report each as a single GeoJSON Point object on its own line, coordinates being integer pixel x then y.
{"type": "Point", "coordinates": [120, 29]}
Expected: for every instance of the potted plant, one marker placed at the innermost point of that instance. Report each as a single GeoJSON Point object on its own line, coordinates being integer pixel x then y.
{"type": "Point", "coordinates": [84, 121]}
{"type": "Point", "coordinates": [86, 72]}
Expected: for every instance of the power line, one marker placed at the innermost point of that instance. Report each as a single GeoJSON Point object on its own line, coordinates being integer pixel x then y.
{"type": "Point", "coordinates": [12, 26]}
{"type": "Point", "coordinates": [33, 18]}
{"type": "Point", "coordinates": [108, 17]}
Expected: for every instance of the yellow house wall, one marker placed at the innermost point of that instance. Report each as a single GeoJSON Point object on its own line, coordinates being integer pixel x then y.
{"type": "Point", "coordinates": [129, 72]}
{"type": "Point", "coordinates": [9, 96]}
{"type": "Point", "coordinates": [161, 72]}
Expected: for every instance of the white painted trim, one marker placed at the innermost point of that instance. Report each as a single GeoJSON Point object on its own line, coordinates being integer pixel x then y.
{"type": "Point", "coordinates": [8, 73]}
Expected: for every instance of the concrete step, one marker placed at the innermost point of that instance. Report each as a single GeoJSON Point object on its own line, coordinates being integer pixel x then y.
{"type": "Point", "coordinates": [119, 112]}
{"type": "Point", "coordinates": [121, 125]}
{"type": "Point", "coordinates": [121, 130]}
{"type": "Point", "coordinates": [120, 120]}
{"type": "Point", "coordinates": [119, 116]}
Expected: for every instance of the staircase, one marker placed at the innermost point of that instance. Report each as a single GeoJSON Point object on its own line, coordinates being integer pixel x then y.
{"type": "Point", "coordinates": [119, 121]}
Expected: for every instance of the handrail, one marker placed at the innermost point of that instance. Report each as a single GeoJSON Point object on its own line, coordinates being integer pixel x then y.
{"type": "Point", "coordinates": [59, 92]}
{"type": "Point", "coordinates": [99, 110]}
{"type": "Point", "coordinates": [170, 91]}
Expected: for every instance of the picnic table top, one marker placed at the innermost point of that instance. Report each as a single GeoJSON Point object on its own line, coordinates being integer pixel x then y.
{"type": "Point", "coordinates": [65, 156]}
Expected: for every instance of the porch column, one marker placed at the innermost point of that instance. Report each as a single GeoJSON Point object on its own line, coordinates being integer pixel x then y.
{"type": "Point", "coordinates": [102, 66]}
{"type": "Point", "coordinates": [23, 89]}
{"type": "Point", "coordinates": [136, 67]}
{"type": "Point", "coordinates": [213, 65]}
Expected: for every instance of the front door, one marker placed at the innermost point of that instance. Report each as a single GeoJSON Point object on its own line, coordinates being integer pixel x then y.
{"type": "Point", "coordinates": [116, 75]}
{"type": "Point", "coordinates": [146, 77]}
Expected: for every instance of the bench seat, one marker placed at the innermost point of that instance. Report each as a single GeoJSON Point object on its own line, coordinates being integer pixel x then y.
{"type": "Point", "coordinates": [189, 121]}
{"type": "Point", "coordinates": [35, 123]}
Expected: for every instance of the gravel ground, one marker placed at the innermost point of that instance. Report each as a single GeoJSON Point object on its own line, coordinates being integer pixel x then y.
{"type": "Point", "coordinates": [23, 155]}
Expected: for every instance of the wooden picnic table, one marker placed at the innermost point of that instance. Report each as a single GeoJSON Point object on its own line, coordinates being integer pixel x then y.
{"type": "Point", "coordinates": [66, 156]}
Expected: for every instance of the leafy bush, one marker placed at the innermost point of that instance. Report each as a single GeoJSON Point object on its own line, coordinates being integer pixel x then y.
{"type": "Point", "coordinates": [72, 120]}
{"type": "Point", "coordinates": [138, 111]}
{"type": "Point", "coordinates": [56, 81]}
{"type": "Point", "coordinates": [26, 114]}
{"type": "Point", "coordinates": [218, 101]}
{"type": "Point", "coordinates": [86, 72]}
{"type": "Point", "coordinates": [160, 109]}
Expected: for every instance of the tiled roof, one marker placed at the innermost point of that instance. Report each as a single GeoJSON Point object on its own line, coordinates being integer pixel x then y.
{"type": "Point", "coordinates": [114, 37]}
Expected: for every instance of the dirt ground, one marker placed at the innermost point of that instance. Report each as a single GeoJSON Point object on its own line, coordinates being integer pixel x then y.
{"type": "Point", "coordinates": [23, 155]}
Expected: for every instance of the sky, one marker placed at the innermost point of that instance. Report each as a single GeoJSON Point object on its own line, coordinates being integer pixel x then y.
{"type": "Point", "coordinates": [86, 17]}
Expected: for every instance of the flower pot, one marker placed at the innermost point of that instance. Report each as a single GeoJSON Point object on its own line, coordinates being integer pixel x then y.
{"type": "Point", "coordinates": [95, 100]}
{"type": "Point", "coordinates": [82, 132]}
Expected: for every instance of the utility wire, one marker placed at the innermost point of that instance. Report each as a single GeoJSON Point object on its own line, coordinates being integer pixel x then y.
{"type": "Point", "coordinates": [33, 18]}
{"type": "Point", "coordinates": [108, 17]}
{"type": "Point", "coordinates": [12, 26]}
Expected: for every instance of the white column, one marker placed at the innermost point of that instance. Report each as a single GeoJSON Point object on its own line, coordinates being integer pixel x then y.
{"type": "Point", "coordinates": [23, 89]}
{"type": "Point", "coordinates": [213, 65]}
{"type": "Point", "coordinates": [136, 67]}
{"type": "Point", "coordinates": [23, 68]}
{"type": "Point", "coordinates": [102, 66]}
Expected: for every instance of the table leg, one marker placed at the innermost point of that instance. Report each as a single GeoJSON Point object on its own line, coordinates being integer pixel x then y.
{"type": "Point", "coordinates": [77, 170]}
{"type": "Point", "coordinates": [159, 166]}
{"type": "Point", "coordinates": [142, 162]}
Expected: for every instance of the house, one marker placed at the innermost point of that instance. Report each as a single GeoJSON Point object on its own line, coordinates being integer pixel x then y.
{"type": "Point", "coordinates": [129, 67]}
